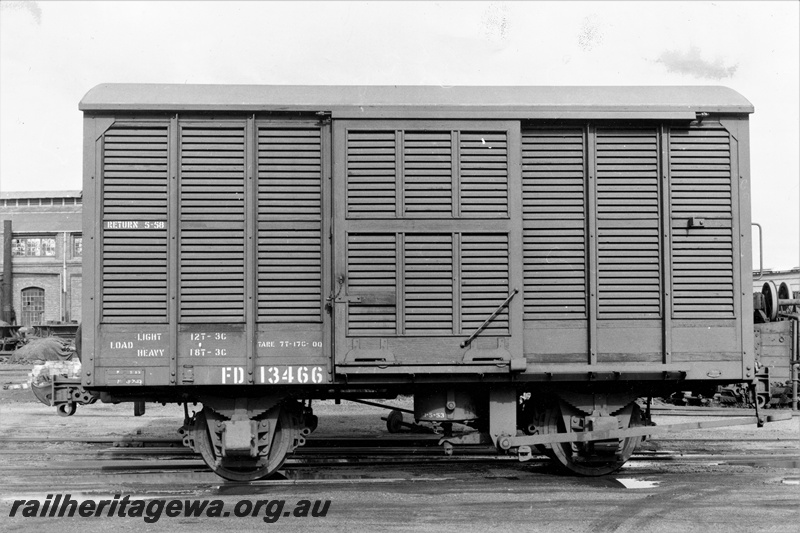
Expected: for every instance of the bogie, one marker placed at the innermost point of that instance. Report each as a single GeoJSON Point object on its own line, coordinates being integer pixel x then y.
{"type": "Point", "coordinates": [247, 445]}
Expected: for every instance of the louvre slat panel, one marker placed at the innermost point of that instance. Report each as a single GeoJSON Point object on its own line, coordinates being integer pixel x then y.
{"type": "Point", "coordinates": [427, 173]}
{"type": "Point", "coordinates": [427, 164]}
{"type": "Point", "coordinates": [554, 234]}
{"type": "Point", "coordinates": [372, 270]}
{"type": "Point", "coordinates": [483, 179]}
{"type": "Point", "coordinates": [484, 281]}
{"type": "Point", "coordinates": [135, 170]}
{"type": "Point", "coordinates": [289, 257]}
{"type": "Point", "coordinates": [629, 265]}
{"type": "Point", "coordinates": [702, 258]}
{"type": "Point", "coordinates": [212, 164]}
{"type": "Point", "coordinates": [428, 284]}
{"type": "Point", "coordinates": [371, 170]}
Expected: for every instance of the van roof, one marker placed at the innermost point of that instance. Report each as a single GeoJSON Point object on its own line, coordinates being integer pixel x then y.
{"type": "Point", "coordinates": [410, 101]}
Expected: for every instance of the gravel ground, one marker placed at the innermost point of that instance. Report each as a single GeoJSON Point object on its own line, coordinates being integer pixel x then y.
{"type": "Point", "coordinates": [727, 479]}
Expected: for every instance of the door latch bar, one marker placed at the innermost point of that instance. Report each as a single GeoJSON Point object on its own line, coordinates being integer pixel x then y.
{"type": "Point", "coordinates": [488, 320]}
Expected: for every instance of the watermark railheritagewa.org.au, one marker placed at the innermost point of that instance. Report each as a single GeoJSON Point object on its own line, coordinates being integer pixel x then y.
{"type": "Point", "coordinates": [151, 510]}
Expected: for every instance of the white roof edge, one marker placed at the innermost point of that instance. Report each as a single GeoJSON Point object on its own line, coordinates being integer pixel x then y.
{"type": "Point", "coordinates": [176, 97]}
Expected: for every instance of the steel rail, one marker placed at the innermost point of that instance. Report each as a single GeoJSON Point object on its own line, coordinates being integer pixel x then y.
{"type": "Point", "coordinates": [642, 431]}
{"type": "Point", "coordinates": [116, 466]}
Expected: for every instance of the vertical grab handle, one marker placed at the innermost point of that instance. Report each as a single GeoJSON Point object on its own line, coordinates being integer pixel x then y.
{"type": "Point", "coordinates": [760, 250]}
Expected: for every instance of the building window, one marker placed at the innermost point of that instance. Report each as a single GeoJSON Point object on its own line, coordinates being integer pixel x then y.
{"type": "Point", "coordinates": [32, 306]}
{"type": "Point", "coordinates": [34, 247]}
{"type": "Point", "coordinates": [77, 247]}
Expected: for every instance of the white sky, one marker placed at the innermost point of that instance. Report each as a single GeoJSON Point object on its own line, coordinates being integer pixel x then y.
{"type": "Point", "coordinates": [52, 53]}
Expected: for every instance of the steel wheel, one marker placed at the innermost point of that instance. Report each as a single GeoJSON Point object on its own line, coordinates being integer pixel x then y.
{"type": "Point", "coordinates": [394, 422]}
{"type": "Point", "coordinates": [246, 468]}
{"type": "Point", "coordinates": [591, 458]}
{"type": "Point", "coordinates": [785, 293]}
{"type": "Point", "coordinates": [770, 292]}
{"type": "Point", "coordinates": [66, 409]}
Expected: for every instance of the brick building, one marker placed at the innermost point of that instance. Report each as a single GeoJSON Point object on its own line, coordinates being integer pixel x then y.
{"type": "Point", "coordinates": [45, 256]}
{"type": "Point", "coordinates": [791, 277]}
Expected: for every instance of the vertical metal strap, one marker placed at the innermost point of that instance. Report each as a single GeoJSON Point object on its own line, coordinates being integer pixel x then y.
{"type": "Point", "coordinates": [93, 220]}
{"type": "Point", "coordinates": [327, 242]}
{"type": "Point", "coordinates": [339, 241]}
{"type": "Point", "coordinates": [400, 309]}
{"type": "Point", "coordinates": [516, 254]}
{"type": "Point", "coordinates": [741, 242]}
{"type": "Point", "coordinates": [400, 323]}
{"type": "Point", "coordinates": [590, 138]}
{"type": "Point", "coordinates": [455, 171]}
{"type": "Point", "coordinates": [173, 260]}
{"type": "Point", "coordinates": [665, 191]}
{"type": "Point", "coordinates": [740, 233]}
{"type": "Point", "coordinates": [400, 207]}
{"type": "Point", "coordinates": [250, 244]}
{"type": "Point", "coordinates": [457, 283]}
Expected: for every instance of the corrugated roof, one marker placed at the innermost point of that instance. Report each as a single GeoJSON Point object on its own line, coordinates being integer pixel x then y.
{"type": "Point", "coordinates": [386, 100]}
{"type": "Point", "coordinates": [39, 194]}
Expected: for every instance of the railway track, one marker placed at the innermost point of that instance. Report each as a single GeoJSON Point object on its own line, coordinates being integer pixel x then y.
{"type": "Point", "coordinates": [147, 465]}
{"type": "Point", "coordinates": [362, 456]}
{"type": "Point", "coordinates": [51, 461]}
{"type": "Point", "coordinates": [346, 450]}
